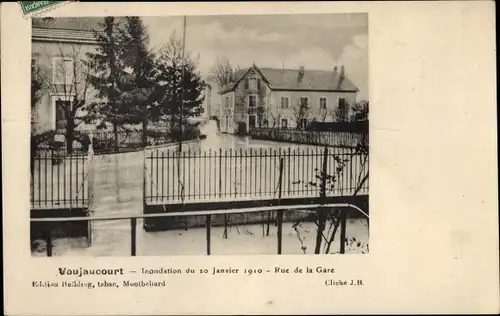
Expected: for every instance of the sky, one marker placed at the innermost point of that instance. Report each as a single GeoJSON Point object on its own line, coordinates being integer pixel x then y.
{"type": "Point", "coordinates": [314, 41]}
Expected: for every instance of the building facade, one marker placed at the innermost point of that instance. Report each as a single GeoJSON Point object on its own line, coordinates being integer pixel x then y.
{"type": "Point", "coordinates": [212, 97]}
{"type": "Point", "coordinates": [59, 51]}
{"type": "Point", "coordinates": [284, 98]}
{"type": "Point", "coordinates": [207, 101]}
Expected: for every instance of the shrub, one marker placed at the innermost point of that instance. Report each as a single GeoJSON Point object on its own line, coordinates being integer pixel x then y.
{"type": "Point", "coordinates": [242, 128]}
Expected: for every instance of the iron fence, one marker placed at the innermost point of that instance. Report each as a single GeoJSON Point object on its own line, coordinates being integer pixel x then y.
{"type": "Point", "coordinates": [122, 141]}
{"type": "Point", "coordinates": [313, 209]}
{"type": "Point", "coordinates": [223, 175]}
{"type": "Point", "coordinates": [59, 180]}
{"type": "Point", "coordinates": [125, 141]}
{"type": "Point", "coordinates": [321, 138]}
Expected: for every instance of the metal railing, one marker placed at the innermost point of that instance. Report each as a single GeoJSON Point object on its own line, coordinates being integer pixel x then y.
{"type": "Point", "coordinates": [208, 214]}
{"type": "Point", "coordinates": [59, 180]}
{"type": "Point", "coordinates": [319, 138]}
{"type": "Point", "coordinates": [125, 141]}
{"type": "Point", "coordinates": [251, 174]}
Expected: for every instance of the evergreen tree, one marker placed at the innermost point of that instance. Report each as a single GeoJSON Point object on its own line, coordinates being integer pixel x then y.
{"type": "Point", "coordinates": [108, 77]}
{"type": "Point", "coordinates": [179, 86]}
{"type": "Point", "coordinates": [138, 98]}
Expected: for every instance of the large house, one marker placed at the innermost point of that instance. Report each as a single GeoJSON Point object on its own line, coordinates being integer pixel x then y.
{"type": "Point", "coordinates": [59, 49]}
{"type": "Point", "coordinates": [269, 97]}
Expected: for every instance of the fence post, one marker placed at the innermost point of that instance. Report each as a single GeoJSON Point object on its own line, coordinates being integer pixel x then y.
{"type": "Point", "coordinates": [144, 176]}
{"type": "Point", "coordinates": [71, 179]}
{"type": "Point", "coordinates": [133, 227]}
{"type": "Point", "coordinates": [90, 184]}
{"type": "Point", "coordinates": [321, 212]}
{"type": "Point", "coordinates": [289, 162]}
{"type": "Point", "coordinates": [49, 243]}
{"type": "Point", "coordinates": [226, 219]}
{"type": "Point", "coordinates": [209, 227]}
{"type": "Point", "coordinates": [280, 212]}
{"type": "Point", "coordinates": [220, 172]}
{"type": "Point", "coordinates": [343, 224]}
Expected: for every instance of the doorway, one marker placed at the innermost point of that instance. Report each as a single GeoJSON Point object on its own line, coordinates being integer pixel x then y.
{"type": "Point", "coordinates": [251, 122]}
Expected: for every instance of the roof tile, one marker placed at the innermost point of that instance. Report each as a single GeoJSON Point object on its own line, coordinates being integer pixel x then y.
{"type": "Point", "coordinates": [68, 28]}
{"type": "Point", "coordinates": [286, 79]}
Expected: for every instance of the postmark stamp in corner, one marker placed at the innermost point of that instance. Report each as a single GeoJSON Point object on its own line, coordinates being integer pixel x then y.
{"type": "Point", "coordinates": [31, 8]}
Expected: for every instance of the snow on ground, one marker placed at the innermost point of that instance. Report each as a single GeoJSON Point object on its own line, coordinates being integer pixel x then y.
{"type": "Point", "coordinates": [242, 240]}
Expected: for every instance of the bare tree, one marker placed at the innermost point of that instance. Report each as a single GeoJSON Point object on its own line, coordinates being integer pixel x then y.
{"type": "Point", "coordinates": [39, 87]}
{"type": "Point", "coordinates": [324, 114]}
{"type": "Point", "coordinates": [329, 221]}
{"type": "Point", "coordinates": [300, 112]}
{"type": "Point", "coordinates": [224, 72]}
{"type": "Point", "coordinates": [341, 113]}
{"type": "Point", "coordinates": [360, 111]}
{"type": "Point", "coordinates": [68, 75]}
{"type": "Point", "coordinates": [275, 119]}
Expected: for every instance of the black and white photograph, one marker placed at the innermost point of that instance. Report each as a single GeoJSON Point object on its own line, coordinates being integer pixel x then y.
{"type": "Point", "coordinates": [214, 158]}
{"type": "Point", "coordinates": [200, 135]}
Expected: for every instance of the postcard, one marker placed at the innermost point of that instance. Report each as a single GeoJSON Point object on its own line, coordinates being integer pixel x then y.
{"type": "Point", "coordinates": [214, 158]}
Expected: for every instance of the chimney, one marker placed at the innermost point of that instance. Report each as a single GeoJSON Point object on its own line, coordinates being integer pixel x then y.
{"type": "Point", "coordinates": [341, 77]}
{"type": "Point", "coordinates": [301, 74]}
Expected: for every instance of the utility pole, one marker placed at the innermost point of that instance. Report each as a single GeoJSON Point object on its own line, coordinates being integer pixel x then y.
{"type": "Point", "coordinates": [182, 84]}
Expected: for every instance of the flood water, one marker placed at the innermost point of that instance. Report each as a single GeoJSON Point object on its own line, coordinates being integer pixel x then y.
{"type": "Point", "coordinates": [118, 188]}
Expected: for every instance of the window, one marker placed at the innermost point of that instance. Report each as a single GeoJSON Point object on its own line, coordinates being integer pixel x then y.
{"type": "Point", "coordinates": [342, 110]}
{"type": "Point", "coordinates": [284, 123]}
{"type": "Point", "coordinates": [34, 66]}
{"type": "Point", "coordinates": [63, 70]}
{"type": "Point", "coordinates": [34, 63]}
{"type": "Point", "coordinates": [252, 84]}
{"type": "Point", "coordinates": [34, 118]}
{"type": "Point", "coordinates": [322, 103]}
{"type": "Point", "coordinates": [304, 101]}
{"type": "Point", "coordinates": [342, 104]}
{"type": "Point", "coordinates": [226, 102]}
{"type": "Point", "coordinates": [285, 102]}
{"type": "Point", "coordinates": [252, 100]}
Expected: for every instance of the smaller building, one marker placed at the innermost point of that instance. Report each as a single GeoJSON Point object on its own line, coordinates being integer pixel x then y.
{"type": "Point", "coordinates": [285, 98]}
{"type": "Point", "coordinates": [212, 97]}
{"type": "Point", "coordinates": [207, 101]}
